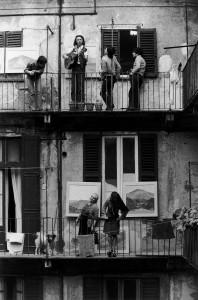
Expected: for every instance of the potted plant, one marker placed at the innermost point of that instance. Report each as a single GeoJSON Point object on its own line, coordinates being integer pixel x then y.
{"type": "Point", "coordinates": [80, 106]}
{"type": "Point", "coordinates": [89, 106]}
{"type": "Point", "coordinates": [98, 105]}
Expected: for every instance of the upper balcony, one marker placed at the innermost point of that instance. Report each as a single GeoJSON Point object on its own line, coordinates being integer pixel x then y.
{"type": "Point", "coordinates": [156, 94]}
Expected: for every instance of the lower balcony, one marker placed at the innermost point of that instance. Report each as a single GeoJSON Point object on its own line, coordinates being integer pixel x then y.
{"type": "Point", "coordinates": [60, 239]}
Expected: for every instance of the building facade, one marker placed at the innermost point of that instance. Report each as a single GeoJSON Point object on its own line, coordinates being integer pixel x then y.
{"type": "Point", "coordinates": [63, 149]}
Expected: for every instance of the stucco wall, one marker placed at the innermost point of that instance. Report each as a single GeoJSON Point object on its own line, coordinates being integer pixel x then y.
{"type": "Point", "coordinates": [175, 150]}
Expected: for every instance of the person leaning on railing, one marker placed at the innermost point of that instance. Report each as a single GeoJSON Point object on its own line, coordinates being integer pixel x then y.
{"type": "Point", "coordinates": [34, 71]}
{"type": "Point", "coordinates": [136, 78]}
{"type": "Point", "coordinates": [110, 71]}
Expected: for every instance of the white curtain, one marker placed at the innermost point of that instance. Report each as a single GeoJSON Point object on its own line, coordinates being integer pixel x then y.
{"type": "Point", "coordinates": [16, 184]}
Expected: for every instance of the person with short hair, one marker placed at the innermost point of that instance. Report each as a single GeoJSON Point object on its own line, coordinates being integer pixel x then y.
{"type": "Point", "coordinates": [110, 71]}
{"type": "Point", "coordinates": [34, 71]}
{"type": "Point", "coordinates": [76, 60]}
{"type": "Point", "coordinates": [88, 216]}
{"type": "Point", "coordinates": [136, 78]}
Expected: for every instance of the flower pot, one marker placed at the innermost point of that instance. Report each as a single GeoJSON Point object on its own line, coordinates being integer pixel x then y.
{"type": "Point", "coordinates": [80, 106]}
{"type": "Point", "coordinates": [89, 106]}
{"type": "Point", "coordinates": [98, 106]}
{"type": "Point", "coordinates": [72, 106]}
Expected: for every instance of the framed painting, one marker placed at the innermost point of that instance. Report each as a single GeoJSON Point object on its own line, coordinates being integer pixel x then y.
{"type": "Point", "coordinates": [78, 194]}
{"type": "Point", "coordinates": [123, 240]}
{"type": "Point", "coordinates": [141, 199]}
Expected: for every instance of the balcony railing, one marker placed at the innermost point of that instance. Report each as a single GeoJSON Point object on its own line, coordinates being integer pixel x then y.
{"type": "Point", "coordinates": [155, 94]}
{"type": "Point", "coordinates": [190, 78]}
{"type": "Point", "coordinates": [136, 238]}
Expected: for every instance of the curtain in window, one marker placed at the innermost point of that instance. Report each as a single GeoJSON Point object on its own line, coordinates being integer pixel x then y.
{"type": "Point", "coordinates": [16, 183]}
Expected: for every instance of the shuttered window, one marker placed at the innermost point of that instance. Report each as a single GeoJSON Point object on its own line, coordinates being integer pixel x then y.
{"type": "Point", "coordinates": [121, 289]}
{"type": "Point", "coordinates": [147, 42]}
{"type": "Point", "coordinates": [147, 157]}
{"type": "Point", "coordinates": [11, 39]}
{"type": "Point", "coordinates": [30, 190]}
{"type": "Point", "coordinates": [33, 288]}
{"type": "Point", "coordinates": [124, 41]}
{"type": "Point", "coordinates": [92, 158]}
{"type": "Point", "coordinates": [150, 289]}
{"type": "Point", "coordinates": [92, 289]}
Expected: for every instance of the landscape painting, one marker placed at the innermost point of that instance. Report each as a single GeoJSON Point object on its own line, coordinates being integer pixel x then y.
{"type": "Point", "coordinates": [141, 199]}
{"type": "Point", "coordinates": [78, 194]}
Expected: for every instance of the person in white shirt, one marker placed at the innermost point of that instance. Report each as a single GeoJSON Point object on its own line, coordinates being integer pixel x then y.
{"type": "Point", "coordinates": [136, 78]}
{"type": "Point", "coordinates": [76, 60]}
{"type": "Point", "coordinates": [110, 70]}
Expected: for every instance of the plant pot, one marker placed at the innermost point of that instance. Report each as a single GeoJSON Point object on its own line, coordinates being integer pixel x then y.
{"type": "Point", "coordinates": [89, 106]}
{"type": "Point", "coordinates": [98, 106]}
{"type": "Point", "coordinates": [80, 106]}
{"type": "Point", "coordinates": [72, 106]}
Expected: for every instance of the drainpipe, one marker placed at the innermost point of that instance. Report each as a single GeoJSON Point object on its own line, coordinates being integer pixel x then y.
{"type": "Point", "coordinates": [186, 19]}
{"type": "Point", "coordinates": [59, 139]}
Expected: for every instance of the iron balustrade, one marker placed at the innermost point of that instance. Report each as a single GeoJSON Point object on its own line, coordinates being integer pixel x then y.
{"type": "Point", "coordinates": [155, 94]}
{"type": "Point", "coordinates": [135, 239]}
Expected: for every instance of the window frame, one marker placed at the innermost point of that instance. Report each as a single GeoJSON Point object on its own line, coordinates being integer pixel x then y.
{"type": "Point", "coordinates": [119, 145]}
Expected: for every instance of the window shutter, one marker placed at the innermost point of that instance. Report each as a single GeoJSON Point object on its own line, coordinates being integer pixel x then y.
{"type": "Point", "coordinates": [30, 190]}
{"type": "Point", "coordinates": [92, 158]}
{"type": "Point", "coordinates": [92, 289]}
{"type": "Point", "coordinates": [13, 39]}
{"type": "Point", "coordinates": [148, 157]}
{"type": "Point", "coordinates": [150, 289]}
{"type": "Point", "coordinates": [148, 43]}
{"type": "Point", "coordinates": [111, 38]}
{"type": "Point", "coordinates": [2, 39]}
{"type": "Point", "coordinates": [33, 289]}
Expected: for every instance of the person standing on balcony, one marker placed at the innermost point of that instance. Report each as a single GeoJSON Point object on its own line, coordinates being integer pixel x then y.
{"type": "Point", "coordinates": [110, 71]}
{"type": "Point", "coordinates": [76, 60]}
{"type": "Point", "coordinates": [34, 71]}
{"type": "Point", "coordinates": [88, 217]}
{"type": "Point", "coordinates": [136, 78]}
{"type": "Point", "coordinates": [111, 208]}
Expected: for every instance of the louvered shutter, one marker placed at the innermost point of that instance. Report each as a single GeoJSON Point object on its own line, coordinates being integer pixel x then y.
{"type": "Point", "coordinates": [148, 43]}
{"type": "Point", "coordinates": [150, 289]}
{"type": "Point", "coordinates": [148, 157]}
{"type": "Point", "coordinates": [92, 158]}
{"type": "Point", "coordinates": [33, 288]}
{"type": "Point", "coordinates": [2, 39]}
{"type": "Point", "coordinates": [30, 190]}
{"type": "Point", "coordinates": [111, 38]}
{"type": "Point", "coordinates": [13, 39]}
{"type": "Point", "coordinates": [92, 289]}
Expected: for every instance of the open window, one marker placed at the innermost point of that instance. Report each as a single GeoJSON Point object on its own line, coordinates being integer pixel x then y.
{"type": "Point", "coordinates": [125, 40]}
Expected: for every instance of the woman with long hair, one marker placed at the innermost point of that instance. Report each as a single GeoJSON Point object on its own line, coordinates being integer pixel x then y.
{"type": "Point", "coordinates": [115, 210]}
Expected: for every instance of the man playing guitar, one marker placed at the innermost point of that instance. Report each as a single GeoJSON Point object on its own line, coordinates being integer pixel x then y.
{"type": "Point", "coordinates": [76, 60]}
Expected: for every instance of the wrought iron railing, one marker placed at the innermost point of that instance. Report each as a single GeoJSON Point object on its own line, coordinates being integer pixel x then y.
{"type": "Point", "coordinates": [190, 78]}
{"type": "Point", "coordinates": [154, 94]}
{"type": "Point", "coordinates": [136, 238]}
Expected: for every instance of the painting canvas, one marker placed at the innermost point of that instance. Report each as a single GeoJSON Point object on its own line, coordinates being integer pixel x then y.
{"type": "Point", "coordinates": [141, 199]}
{"type": "Point", "coordinates": [18, 58]}
{"type": "Point", "coordinates": [78, 194]}
{"type": "Point", "coordinates": [123, 241]}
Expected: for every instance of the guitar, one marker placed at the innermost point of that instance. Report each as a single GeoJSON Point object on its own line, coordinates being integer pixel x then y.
{"type": "Point", "coordinates": [70, 57]}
